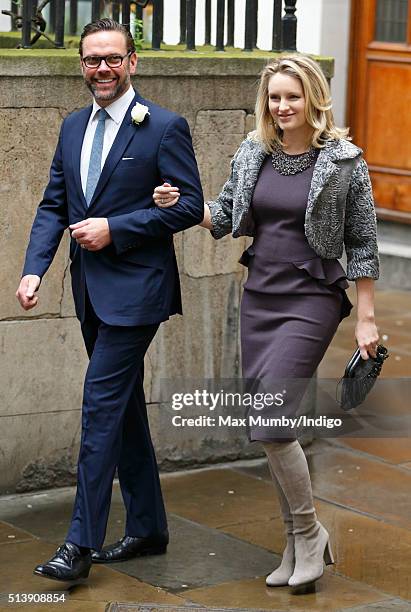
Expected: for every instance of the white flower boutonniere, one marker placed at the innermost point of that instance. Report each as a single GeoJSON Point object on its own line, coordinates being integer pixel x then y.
{"type": "Point", "coordinates": [138, 113]}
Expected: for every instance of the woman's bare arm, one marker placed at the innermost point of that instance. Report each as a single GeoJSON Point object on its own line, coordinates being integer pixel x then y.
{"type": "Point", "coordinates": [366, 331]}
{"type": "Point", "coordinates": [165, 196]}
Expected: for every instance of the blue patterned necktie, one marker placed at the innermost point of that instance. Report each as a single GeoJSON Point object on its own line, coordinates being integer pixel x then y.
{"type": "Point", "coordinates": [94, 168]}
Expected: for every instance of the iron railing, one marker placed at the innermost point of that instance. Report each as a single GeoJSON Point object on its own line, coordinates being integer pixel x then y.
{"type": "Point", "coordinates": [27, 16]}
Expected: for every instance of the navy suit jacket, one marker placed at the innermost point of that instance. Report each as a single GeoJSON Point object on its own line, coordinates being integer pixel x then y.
{"type": "Point", "coordinates": [134, 280]}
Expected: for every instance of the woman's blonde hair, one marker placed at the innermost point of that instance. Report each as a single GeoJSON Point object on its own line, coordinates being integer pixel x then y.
{"type": "Point", "coordinates": [317, 95]}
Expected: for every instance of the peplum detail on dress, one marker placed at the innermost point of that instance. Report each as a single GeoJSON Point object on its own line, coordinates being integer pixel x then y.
{"type": "Point", "coordinates": [312, 276]}
{"type": "Point", "coordinates": [328, 272]}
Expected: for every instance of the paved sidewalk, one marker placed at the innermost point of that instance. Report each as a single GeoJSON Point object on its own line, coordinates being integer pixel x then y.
{"type": "Point", "coordinates": [225, 525]}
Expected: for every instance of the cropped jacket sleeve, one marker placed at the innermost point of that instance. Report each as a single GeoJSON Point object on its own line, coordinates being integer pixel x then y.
{"type": "Point", "coordinates": [360, 227]}
{"type": "Point", "coordinates": [221, 209]}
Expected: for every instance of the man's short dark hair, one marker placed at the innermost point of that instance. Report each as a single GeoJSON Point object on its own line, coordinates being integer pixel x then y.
{"type": "Point", "coordinates": [107, 25]}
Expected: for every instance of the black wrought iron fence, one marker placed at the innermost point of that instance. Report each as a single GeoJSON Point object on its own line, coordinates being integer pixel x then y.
{"type": "Point", "coordinates": [27, 15]}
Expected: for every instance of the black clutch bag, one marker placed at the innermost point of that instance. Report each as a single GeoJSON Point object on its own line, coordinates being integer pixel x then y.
{"type": "Point", "coordinates": [359, 377]}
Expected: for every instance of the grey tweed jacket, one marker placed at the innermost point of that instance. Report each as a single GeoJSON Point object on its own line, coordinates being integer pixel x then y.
{"type": "Point", "coordinates": [340, 208]}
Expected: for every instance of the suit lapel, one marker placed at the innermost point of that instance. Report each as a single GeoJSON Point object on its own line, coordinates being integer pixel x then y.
{"type": "Point", "coordinates": [125, 133]}
{"type": "Point", "coordinates": [78, 137]}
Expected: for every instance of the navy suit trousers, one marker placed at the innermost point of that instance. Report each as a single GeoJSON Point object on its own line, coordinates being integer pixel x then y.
{"type": "Point", "coordinates": [115, 434]}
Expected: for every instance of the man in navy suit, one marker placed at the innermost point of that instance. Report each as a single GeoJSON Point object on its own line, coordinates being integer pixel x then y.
{"type": "Point", "coordinates": [125, 283]}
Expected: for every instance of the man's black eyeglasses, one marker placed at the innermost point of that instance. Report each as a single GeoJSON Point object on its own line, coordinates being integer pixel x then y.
{"type": "Point", "coordinates": [112, 61]}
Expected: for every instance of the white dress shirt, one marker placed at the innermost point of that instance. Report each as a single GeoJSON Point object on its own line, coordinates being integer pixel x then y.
{"type": "Point", "coordinates": [116, 111]}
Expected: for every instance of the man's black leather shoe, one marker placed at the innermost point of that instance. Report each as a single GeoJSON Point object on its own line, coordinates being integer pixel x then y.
{"type": "Point", "coordinates": [67, 564]}
{"type": "Point", "coordinates": [129, 547]}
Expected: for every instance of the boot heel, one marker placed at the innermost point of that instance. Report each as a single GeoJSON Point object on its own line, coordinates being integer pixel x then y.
{"type": "Point", "coordinates": [328, 556]}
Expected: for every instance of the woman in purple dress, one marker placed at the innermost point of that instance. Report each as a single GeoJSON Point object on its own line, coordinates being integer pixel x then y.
{"type": "Point", "coordinates": [302, 190]}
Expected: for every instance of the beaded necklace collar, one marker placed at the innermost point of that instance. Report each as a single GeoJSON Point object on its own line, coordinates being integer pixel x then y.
{"type": "Point", "coordinates": [292, 164]}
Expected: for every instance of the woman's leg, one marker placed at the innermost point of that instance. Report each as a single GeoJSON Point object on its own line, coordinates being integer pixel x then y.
{"type": "Point", "coordinates": [281, 575]}
{"type": "Point", "coordinates": [311, 539]}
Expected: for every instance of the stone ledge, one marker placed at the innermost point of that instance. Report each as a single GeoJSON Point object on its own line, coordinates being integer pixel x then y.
{"type": "Point", "coordinates": [44, 62]}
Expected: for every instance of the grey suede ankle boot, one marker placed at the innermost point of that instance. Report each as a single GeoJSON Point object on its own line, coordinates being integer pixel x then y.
{"type": "Point", "coordinates": [311, 550]}
{"type": "Point", "coordinates": [281, 575]}
{"type": "Point", "coordinates": [311, 539]}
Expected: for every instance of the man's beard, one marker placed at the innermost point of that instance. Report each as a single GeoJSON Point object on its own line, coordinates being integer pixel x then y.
{"type": "Point", "coordinates": [120, 88]}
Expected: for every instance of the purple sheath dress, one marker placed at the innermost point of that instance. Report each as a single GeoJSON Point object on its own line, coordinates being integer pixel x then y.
{"type": "Point", "coordinates": [293, 299]}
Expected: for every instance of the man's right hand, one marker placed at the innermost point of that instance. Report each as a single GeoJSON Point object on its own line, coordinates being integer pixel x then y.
{"type": "Point", "coordinates": [26, 293]}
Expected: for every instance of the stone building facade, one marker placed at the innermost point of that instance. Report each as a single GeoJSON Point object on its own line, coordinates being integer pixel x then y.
{"type": "Point", "coordinates": [42, 359]}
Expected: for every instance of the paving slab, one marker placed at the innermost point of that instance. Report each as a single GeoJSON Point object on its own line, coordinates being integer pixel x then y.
{"type": "Point", "coordinates": [354, 481]}
{"type": "Point", "coordinates": [66, 606]}
{"type": "Point", "coordinates": [393, 320]}
{"type": "Point", "coordinates": [393, 450]}
{"type": "Point", "coordinates": [220, 497]}
{"type": "Point", "coordinates": [9, 534]}
{"type": "Point", "coordinates": [103, 585]}
{"type": "Point", "coordinates": [376, 488]}
{"type": "Point", "coordinates": [391, 605]}
{"type": "Point", "coordinates": [216, 497]}
{"type": "Point", "coordinates": [44, 514]}
{"type": "Point", "coordinates": [334, 365]}
{"type": "Point", "coordinates": [234, 514]}
{"type": "Point", "coordinates": [398, 320]}
{"type": "Point", "coordinates": [199, 556]}
{"type": "Point", "coordinates": [397, 366]}
{"type": "Point", "coordinates": [332, 593]}
{"type": "Point", "coordinates": [258, 469]}
{"type": "Point", "coordinates": [120, 607]}
{"type": "Point", "coordinates": [366, 550]}
{"type": "Point", "coordinates": [268, 534]}
{"type": "Point", "coordinates": [47, 514]}
{"type": "Point", "coordinates": [393, 330]}
{"type": "Point", "coordinates": [388, 302]}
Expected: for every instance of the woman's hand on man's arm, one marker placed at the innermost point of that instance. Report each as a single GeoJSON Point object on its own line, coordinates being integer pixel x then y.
{"type": "Point", "coordinates": [165, 196]}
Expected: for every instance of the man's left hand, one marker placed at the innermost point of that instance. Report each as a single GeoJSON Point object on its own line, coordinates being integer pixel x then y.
{"type": "Point", "coordinates": [92, 234]}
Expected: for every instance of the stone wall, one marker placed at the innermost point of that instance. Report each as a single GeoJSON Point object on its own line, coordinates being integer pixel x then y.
{"type": "Point", "coordinates": [42, 357]}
